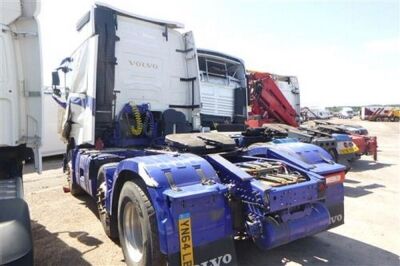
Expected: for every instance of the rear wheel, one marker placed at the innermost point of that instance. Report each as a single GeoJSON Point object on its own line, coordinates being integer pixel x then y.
{"type": "Point", "coordinates": [137, 226]}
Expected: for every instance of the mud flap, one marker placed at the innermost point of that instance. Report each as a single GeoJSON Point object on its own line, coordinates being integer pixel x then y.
{"type": "Point", "coordinates": [336, 215]}
{"type": "Point", "coordinates": [220, 252]}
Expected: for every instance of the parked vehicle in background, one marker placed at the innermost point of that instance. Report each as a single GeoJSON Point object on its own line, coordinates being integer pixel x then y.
{"type": "Point", "coordinates": [380, 113]}
{"type": "Point", "coordinates": [339, 146]}
{"type": "Point", "coordinates": [315, 113]}
{"type": "Point", "coordinates": [346, 113]}
{"type": "Point", "coordinates": [20, 123]}
{"type": "Point", "coordinates": [223, 88]}
{"type": "Point", "coordinates": [367, 145]}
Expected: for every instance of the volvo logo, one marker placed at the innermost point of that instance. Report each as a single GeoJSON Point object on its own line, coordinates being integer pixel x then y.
{"type": "Point", "coordinates": [143, 64]}
{"type": "Point", "coordinates": [336, 218]}
{"type": "Point", "coordinates": [221, 260]}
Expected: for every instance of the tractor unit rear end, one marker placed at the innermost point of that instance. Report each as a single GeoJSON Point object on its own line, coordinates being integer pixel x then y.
{"type": "Point", "coordinates": [140, 98]}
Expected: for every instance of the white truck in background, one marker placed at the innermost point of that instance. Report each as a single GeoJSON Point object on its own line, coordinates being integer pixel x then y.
{"type": "Point", "coordinates": [315, 113]}
{"type": "Point", "coordinates": [20, 123]}
{"type": "Point", "coordinates": [346, 113]}
{"type": "Point", "coordinates": [223, 96]}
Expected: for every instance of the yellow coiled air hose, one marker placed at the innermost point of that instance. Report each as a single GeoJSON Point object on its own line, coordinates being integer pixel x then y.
{"type": "Point", "coordinates": [136, 129]}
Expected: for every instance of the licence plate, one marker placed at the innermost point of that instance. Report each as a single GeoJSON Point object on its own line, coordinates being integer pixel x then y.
{"type": "Point", "coordinates": [185, 239]}
{"type": "Point", "coordinates": [348, 150]}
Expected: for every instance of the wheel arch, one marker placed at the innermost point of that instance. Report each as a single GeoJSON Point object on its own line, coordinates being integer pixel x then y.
{"type": "Point", "coordinates": [121, 178]}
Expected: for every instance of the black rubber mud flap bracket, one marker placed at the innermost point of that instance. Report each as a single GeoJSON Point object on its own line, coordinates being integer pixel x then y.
{"type": "Point", "coordinates": [221, 252]}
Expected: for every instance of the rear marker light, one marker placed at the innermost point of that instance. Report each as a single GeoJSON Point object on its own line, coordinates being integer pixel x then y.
{"type": "Point", "coordinates": [334, 179]}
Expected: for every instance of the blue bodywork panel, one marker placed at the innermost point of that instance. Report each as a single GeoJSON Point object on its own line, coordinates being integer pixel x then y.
{"type": "Point", "coordinates": [297, 206]}
{"type": "Point", "coordinates": [182, 183]}
{"type": "Point", "coordinates": [86, 163]}
{"type": "Point", "coordinates": [304, 155]}
{"type": "Point", "coordinates": [313, 159]}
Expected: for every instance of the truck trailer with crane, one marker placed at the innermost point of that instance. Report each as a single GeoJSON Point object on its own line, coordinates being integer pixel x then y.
{"type": "Point", "coordinates": [20, 124]}
{"type": "Point", "coordinates": [169, 191]}
{"type": "Point", "coordinates": [380, 113]}
{"type": "Point", "coordinates": [270, 109]}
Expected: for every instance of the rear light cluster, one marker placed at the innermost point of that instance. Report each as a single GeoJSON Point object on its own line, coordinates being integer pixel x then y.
{"type": "Point", "coordinates": [334, 178]}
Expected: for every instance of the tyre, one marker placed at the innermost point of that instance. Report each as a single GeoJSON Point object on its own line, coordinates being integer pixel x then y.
{"type": "Point", "coordinates": [109, 225]}
{"type": "Point", "coordinates": [75, 189]}
{"type": "Point", "coordinates": [137, 226]}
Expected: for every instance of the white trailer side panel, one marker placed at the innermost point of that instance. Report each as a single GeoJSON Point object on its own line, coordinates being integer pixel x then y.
{"type": "Point", "coordinates": [20, 75]}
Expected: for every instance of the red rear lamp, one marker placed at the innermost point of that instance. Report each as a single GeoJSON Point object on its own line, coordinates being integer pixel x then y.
{"type": "Point", "coordinates": [334, 178]}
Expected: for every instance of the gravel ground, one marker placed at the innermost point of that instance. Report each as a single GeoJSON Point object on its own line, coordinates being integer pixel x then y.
{"type": "Point", "coordinates": [67, 231]}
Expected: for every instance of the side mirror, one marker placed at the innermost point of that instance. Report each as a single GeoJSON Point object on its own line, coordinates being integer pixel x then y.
{"type": "Point", "coordinates": [55, 78]}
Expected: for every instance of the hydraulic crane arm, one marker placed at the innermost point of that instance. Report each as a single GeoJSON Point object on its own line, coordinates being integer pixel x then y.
{"type": "Point", "coordinates": [268, 102]}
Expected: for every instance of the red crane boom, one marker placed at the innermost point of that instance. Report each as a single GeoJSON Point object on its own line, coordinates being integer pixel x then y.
{"type": "Point", "coordinates": [268, 104]}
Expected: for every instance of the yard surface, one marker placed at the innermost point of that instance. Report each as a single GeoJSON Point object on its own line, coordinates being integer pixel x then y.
{"type": "Point", "coordinates": [67, 231]}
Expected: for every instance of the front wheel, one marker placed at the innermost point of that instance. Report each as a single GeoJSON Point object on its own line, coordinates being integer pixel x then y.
{"type": "Point", "coordinates": [107, 221]}
{"type": "Point", "coordinates": [74, 188]}
{"type": "Point", "coordinates": [137, 226]}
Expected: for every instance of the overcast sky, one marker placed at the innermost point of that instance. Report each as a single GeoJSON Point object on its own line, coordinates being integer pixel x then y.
{"type": "Point", "coordinates": [343, 52]}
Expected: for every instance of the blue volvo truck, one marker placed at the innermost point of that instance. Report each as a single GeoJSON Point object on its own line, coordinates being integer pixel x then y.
{"type": "Point", "coordinates": [170, 192]}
